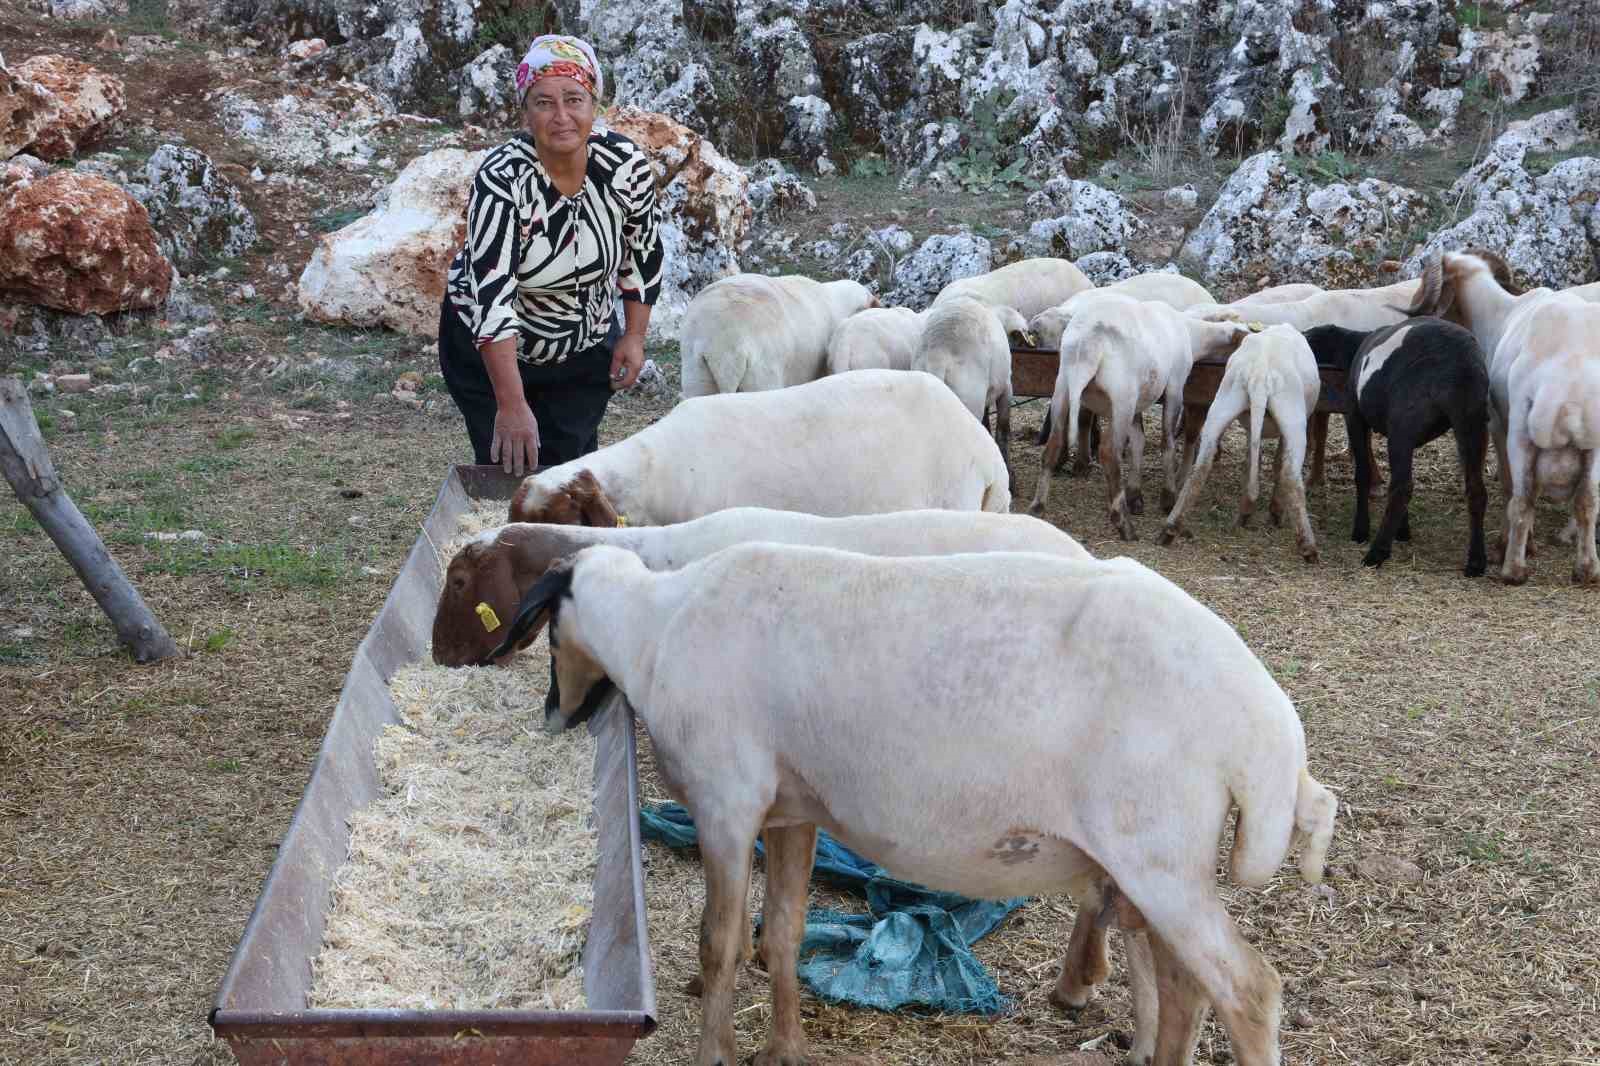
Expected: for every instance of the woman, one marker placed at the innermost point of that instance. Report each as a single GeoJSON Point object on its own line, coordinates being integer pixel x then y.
{"type": "Point", "coordinates": [560, 221]}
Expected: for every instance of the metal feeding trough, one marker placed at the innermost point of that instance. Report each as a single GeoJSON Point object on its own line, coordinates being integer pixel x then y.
{"type": "Point", "coordinates": [261, 1007]}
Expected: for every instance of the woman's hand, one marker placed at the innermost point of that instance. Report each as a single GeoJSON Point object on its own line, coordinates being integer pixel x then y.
{"type": "Point", "coordinates": [516, 434]}
{"type": "Point", "coordinates": [627, 359]}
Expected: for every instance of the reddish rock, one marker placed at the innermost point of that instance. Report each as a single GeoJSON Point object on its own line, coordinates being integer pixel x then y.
{"type": "Point", "coordinates": [24, 110]}
{"type": "Point", "coordinates": [84, 104]}
{"type": "Point", "coordinates": [81, 244]}
{"type": "Point", "coordinates": [709, 191]}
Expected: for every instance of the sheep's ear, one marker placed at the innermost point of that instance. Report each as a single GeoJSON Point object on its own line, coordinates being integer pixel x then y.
{"type": "Point", "coordinates": [541, 601]}
{"type": "Point", "coordinates": [594, 508]}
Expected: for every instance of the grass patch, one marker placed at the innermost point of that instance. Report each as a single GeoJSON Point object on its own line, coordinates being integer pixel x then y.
{"type": "Point", "coordinates": [338, 218]}
{"type": "Point", "coordinates": [246, 566]}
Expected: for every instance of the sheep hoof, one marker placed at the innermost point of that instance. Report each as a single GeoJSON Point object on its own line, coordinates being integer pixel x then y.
{"type": "Point", "coordinates": [1080, 469]}
{"type": "Point", "coordinates": [1474, 568]}
{"type": "Point", "coordinates": [1514, 575]}
{"type": "Point", "coordinates": [1168, 535]}
{"type": "Point", "coordinates": [1403, 534]}
{"type": "Point", "coordinates": [1136, 502]}
{"type": "Point", "coordinates": [1311, 555]}
{"type": "Point", "coordinates": [1361, 535]}
{"type": "Point", "coordinates": [1585, 575]}
{"type": "Point", "coordinates": [1169, 499]}
{"type": "Point", "coordinates": [1245, 518]}
{"type": "Point", "coordinates": [1036, 508]}
{"type": "Point", "coordinates": [694, 987]}
{"type": "Point", "coordinates": [1375, 558]}
{"type": "Point", "coordinates": [1127, 532]}
{"type": "Point", "coordinates": [1072, 1002]}
{"type": "Point", "coordinates": [782, 1053]}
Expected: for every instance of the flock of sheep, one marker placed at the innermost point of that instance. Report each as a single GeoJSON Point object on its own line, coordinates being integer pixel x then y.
{"type": "Point", "coordinates": [807, 581]}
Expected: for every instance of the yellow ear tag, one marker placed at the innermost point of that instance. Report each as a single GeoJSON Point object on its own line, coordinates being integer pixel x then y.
{"type": "Point", "coordinates": [1254, 327]}
{"type": "Point", "coordinates": [622, 520]}
{"type": "Point", "coordinates": [491, 621]}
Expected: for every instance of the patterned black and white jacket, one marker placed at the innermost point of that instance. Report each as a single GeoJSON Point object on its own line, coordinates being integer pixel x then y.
{"type": "Point", "coordinates": [548, 268]}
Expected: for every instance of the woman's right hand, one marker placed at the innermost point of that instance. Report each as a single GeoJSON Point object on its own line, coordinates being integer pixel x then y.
{"type": "Point", "coordinates": [516, 435]}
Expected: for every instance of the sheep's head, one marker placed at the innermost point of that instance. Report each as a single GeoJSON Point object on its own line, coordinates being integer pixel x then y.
{"type": "Point", "coordinates": [1048, 326]}
{"type": "Point", "coordinates": [1443, 275]}
{"type": "Point", "coordinates": [482, 586]}
{"type": "Point", "coordinates": [1334, 346]}
{"type": "Point", "coordinates": [581, 684]}
{"type": "Point", "coordinates": [579, 502]}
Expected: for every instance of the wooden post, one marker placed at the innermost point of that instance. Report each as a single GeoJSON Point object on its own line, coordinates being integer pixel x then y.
{"type": "Point", "coordinates": [27, 467]}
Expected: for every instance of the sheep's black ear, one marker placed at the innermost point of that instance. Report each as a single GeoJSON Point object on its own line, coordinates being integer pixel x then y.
{"type": "Point", "coordinates": [545, 595]}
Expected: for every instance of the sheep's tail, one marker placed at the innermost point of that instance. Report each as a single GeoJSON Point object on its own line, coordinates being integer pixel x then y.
{"type": "Point", "coordinates": [1268, 827]}
{"type": "Point", "coordinates": [708, 371]}
{"type": "Point", "coordinates": [1079, 374]}
{"type": "Point", "coordinates": [1257, 388]}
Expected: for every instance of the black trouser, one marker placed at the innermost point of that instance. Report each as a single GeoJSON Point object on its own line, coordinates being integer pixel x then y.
{"type": "Point", "coordinates": [568, 398]}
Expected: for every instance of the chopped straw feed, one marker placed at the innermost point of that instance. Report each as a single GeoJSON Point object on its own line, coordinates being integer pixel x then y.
{"type": "Point", "coordinates": [469, 882]}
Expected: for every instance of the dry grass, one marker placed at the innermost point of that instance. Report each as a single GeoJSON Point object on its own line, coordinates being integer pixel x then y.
{"type": "Point", "coordinates": [469, 882]}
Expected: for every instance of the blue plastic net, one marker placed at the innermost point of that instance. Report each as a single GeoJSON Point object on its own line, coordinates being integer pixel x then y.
{"type": "Point", "coordinates": [913, 949]}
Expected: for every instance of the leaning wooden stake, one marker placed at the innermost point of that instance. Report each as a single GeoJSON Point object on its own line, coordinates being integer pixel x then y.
{"type": "Point", "coordinates": [27, 467]}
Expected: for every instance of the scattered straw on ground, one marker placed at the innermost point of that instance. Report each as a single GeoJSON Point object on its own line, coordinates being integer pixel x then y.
{"type": "Point", "coordinates": [469, 881]}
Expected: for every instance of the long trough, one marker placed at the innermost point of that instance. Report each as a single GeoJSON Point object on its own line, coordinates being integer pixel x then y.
{"type": "Point", "coordinates": [260, 1008]}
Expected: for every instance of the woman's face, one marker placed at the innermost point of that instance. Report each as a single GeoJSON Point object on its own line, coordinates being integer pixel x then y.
{"type": "Point", "coordinates": [559, 113]}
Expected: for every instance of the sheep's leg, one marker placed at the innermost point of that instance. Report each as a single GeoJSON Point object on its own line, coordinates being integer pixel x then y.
{"type": "Point", "coordinates": [1002, 435]}
{"type": "Point", "coordinates": [1200, 938]}
{"type": "Point", "coordinates": [749, 948]}
{"type": "Point", "coordinates": [1275, 504]}
{"type": "Point", "coordinates": [1524, 460]}
{"type": "Point", "coordinates": [1171, 412]}
{"type": "Point", "coordinates": [1291, 461]}
{"type": "Point", "coordinates": [1586, 504]}
{"type": "Point", "coordinates": [1224, 409]}
{"type": "Point", "coordinates": [1394, 515]}
{"type": "Point", "coordinates": [1088, 433]}
{"type": "Point", "coordinates": [1360, 434]}
{"type": "Point", "coordinates": [1054, 450]}
{"type": "Point", "coordinates": [1112, 442]}
{"type": "Point", "coordinates": [1085, 964]}
{"type": "Point", "coordinates": [1372, 464]}
{"type": "Point", "coordinates": [1180, 1003]}
{"type": "Point", "coordinates": [1133, 469]}
{"type": "Point", "coordinates": [1194, 419]}
{"type": "Point", "coordinates": [1497, 439]}
{"type": "Point", "coordinates": [1319, 448]}
{"type": "Point", "coordinates": [1144, 987]}
{"type": "Point", "coordinates": [790, 852]}
{"type": "Point", "coordinates": [725, 857]}
{"type": "Point", "coordinates": [1472, 441]}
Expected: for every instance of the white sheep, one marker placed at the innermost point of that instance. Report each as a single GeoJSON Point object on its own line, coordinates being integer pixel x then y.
{"type": "Point", "coordinates": [1273, 376]}
{"type": "Point", "coordinates": [1360, 309]}
{"type": "Point", "coordinates": [964, 344]}
{"type": "Point", "coordinates": [859, 443]}
{"type": "Point", "coordinates": [1544, 384]}
{"type": "Point", "coordinates": [1297, 290]}
{"type": "Point", "coordinates": [881, 337]}
{"type": "Point", "coordinates": [1118, 356]}
{"type": "Point", "coordinates": [981, 724]}
{"type": "Point", "coordinates": [751, 332]}
{"type": "Point", "coordinates": [1165, 287]}
{"type": "Point", "coordinates": [1027, 286]}
{"type": "Point", "coordinates": [501, 563]}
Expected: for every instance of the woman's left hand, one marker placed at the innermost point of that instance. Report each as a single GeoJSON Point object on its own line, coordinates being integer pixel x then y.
{"type": "Point", "coordinates": [627, 359]}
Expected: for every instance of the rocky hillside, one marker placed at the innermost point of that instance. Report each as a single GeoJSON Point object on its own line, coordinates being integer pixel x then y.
{"type": "Point", "coordinates": [180, 157]}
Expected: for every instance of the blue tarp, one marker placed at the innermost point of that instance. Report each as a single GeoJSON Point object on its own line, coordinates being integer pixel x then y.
{"type": "Point", "coordinates": [912, 949]}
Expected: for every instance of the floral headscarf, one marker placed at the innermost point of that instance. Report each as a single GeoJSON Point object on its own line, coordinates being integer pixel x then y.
{"type": "Point", "coordinates": [558, 56]}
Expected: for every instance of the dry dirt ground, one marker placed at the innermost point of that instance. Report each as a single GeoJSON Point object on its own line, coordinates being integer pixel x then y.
{"type": "Point", "coordinates": [140, 807]}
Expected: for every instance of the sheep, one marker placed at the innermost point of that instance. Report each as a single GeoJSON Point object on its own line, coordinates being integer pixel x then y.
{"type": "Point", "coordinates": [1544, 390]}
{"type": "Point", "coordinates": [1118, 356]}
{"type": "Point", "coordinates": [1027, 286]}
{"type": "Point", "coordinates": [1351, 308]}
{"type": "Point", "coordinates": [501, 563]}
{"type": "Point", "coordinates": [1271, 373]}
{"type": "Point", "coordinates": [964, 344]}
{"type": "Point", "coordinates": [789, 687]}
{"type": "Point", "coordinates": [751, 332]}
{"type": "Point", "coordinates": [1297, 290]}
{"type": "Point", "coordinates": [859, 443]}
{"type": "Point", "coordinates": [1163, 286]}
{"type": "Point", "coordinates": [885, 337]}
{"type": "Point", "coordinates": [1411, 383]}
